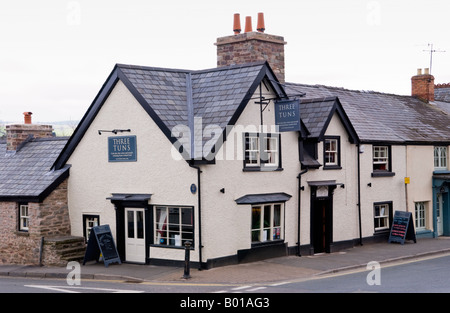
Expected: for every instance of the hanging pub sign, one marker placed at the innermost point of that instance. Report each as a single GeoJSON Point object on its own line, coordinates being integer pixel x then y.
{"type": "Point", "coordinates": [122, 149]}
{"type": "Point", "coordinates": [287, 115]}
{"type": "Point", "coordinates": [402, 228]}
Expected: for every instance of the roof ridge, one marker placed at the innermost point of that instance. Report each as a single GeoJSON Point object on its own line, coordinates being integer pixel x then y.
{"type": "Point", "coordinates": [351, 90]}
{"type": "Point", "coordinates": [147, 68]}
{"type": "Point", "coordinates": [229, 67]}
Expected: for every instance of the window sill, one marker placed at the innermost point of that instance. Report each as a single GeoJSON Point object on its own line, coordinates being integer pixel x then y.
{"type": "Point", "coordinates": [267, 243]}
{"type": "Point", "coordinates": [170, 247]}
{"type": "Point", "coordinates": [332, 167]}
{"type": "Point", "coordinates": [383, 174]}
{"type": "Point", "coordinates": [22, 233]}
{"type": "Point", "coordinates": [262, 169]}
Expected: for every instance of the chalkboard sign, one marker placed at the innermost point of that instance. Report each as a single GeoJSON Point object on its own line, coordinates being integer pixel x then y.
{"type": "Point", "coordinates": [402, 228]}
{"type": "Point", "coordinates": [101, 241]}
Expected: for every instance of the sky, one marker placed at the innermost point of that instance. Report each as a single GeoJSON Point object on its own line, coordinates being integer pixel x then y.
{"type": "Point", "coordinates": [55, 55]}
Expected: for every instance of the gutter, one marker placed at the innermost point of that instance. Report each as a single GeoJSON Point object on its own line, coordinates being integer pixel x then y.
{"type": "Point", "coordinates": [299, 207]}
{"type": "Point", "coordinates": [200, 246]}
{"type": "Point", "coordinates": [359, 192]}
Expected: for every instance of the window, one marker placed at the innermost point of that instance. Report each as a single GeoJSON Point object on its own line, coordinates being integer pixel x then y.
{"type": "Point", "coordinates": [24, 217]}
{"type": "Point", "coordinates": [89, 221]}
{"type": "Point", "coordinates": [173, 225]}
{"type": "Point", "coordinates": [267, 223]}
{"type": "Point", "coordinates": [440, 158]}
{"type": "Point", "coordinates": [420, 215]}
{"type": "Point", "coordinates": [332, 153]}
{"type": "Point", "coordinates": [382, 215]}
{"type": "Point", "coordinates": [382, 161]}
{"type": "Point", "coordinates": [261, 151]}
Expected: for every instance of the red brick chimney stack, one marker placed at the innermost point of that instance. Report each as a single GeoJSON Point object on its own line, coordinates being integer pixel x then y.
{"type": "Point", "coordinates": [252, 46]}
{"type": "Point", "coordinates": [422, 85]}
{"type": "Point", "coordinates": [18, 133]}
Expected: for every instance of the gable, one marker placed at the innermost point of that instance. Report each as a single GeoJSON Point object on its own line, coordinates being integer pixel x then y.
{"type": "Point", "coordinates": [317, 115]}
{"type": "Point", "coordinates": [175, 98]}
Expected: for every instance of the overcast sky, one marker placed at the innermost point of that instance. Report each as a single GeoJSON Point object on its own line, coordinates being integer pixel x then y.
{"type": "Point", "coordinates": [55, 54]}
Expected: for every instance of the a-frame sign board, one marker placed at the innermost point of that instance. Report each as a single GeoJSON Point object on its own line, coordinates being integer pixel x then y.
{"type": "Point", "coordinates": [402, 228]}
{"type": "Point", "coordinates": [101, 241]}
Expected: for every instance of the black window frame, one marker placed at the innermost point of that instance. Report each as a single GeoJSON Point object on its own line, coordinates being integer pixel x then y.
{"type": "Point", "coordinates": [336, 166]}
{"type": "Point", "coordinates": [391, 214]}
{"type": "Point", "coordinates": [86, 216]}
{"type": "Point", "coordinates": [385, 172]}
{"type": "Point", "coordinates": [262, 164]}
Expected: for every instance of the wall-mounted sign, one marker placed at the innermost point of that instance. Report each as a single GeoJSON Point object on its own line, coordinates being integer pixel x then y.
{"type": "Point", "coordinates": [193, 188]}
{"type": "Point", "coordinates": [122, 149]}
{"type": "Point", "coordinates": [287, 115]}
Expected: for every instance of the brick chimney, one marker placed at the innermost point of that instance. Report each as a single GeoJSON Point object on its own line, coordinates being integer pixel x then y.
{"type": "Point", "coordinates": [422, 85]}
{"type": "Point", "coordinates": [16, 134]}
{"type": "Point", "coordinates": [252, 46]}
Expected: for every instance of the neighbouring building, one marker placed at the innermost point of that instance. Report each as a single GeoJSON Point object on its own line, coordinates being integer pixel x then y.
{"type": "Point", "coordinates": [34, 216]}
{"type": "Point", "coordinates": [247, 166]}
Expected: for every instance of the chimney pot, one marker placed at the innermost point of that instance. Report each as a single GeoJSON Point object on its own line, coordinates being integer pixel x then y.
{"type": "Point", "coordinates": [27, 117]}
{"type": "Point", "coordinates": [248, 24]}
{"type": "Point", "coordinates": [260, 26]}
{"type": "Point", "coordinates": [237, 24]}
{"type": "Point", "coordinates": [427, 71]}
{"type": "Point", "coordinates": [419, 71]}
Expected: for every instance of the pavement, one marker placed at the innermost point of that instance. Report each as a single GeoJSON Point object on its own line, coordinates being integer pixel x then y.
{"type": "Point", "coordinates": [273, 270]}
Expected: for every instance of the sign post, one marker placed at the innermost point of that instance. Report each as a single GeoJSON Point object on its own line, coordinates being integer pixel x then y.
{"type": "Point", "coordinates": [101, 241]}
{"type": "Point", "coordinates": [402, 228]}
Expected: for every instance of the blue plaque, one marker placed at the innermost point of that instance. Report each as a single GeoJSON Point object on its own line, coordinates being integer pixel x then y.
{"type": "Point", "coordinates": [122, 149]}
{"type": "Point", "coordinates": [287, 115]}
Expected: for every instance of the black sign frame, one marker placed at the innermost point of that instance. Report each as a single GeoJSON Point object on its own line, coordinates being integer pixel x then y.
{"type": "Point", "coordinates": [101, 241]}
{"type": "Point", "coordinates": [402, 228]}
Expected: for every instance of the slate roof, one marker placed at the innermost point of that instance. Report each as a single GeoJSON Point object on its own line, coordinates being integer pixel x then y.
{"type": "Point", "coordinates": [380, 117]}
{"type": "Point", "coordinates": [25, 174]}
{"type": "Point", "coordinates": [442, 93]}
{"type": "Point", "coordinates": [176, 97]}
{"type": "Point", "coordinates": [215, 93]}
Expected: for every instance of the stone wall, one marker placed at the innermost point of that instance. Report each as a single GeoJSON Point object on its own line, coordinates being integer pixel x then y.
{"type": "Point", "coordinates": [47, 219]}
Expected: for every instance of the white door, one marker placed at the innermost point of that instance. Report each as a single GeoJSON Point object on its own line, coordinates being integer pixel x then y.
{"type": "Point", "coordinates": [440, 223]}
{"type": "Point", "coordinates": [134, 235]}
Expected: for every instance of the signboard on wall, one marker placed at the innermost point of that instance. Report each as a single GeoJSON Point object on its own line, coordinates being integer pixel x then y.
{"type": "Point", "coordinates": [287, 115]}
{"type": "Point", "coordinates": [122, 149]}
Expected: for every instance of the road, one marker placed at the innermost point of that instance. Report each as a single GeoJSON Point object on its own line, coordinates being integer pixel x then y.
{"type": "Point", "coordinates": [429, 275]}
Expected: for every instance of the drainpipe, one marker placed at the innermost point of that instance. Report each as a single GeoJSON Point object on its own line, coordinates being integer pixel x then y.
{"type": "Point", "coordinates": [200, 246]}
{"type": "Point", "coordinates": [359, 192]}
{"type": "Point", "coordinates": [299, 207]}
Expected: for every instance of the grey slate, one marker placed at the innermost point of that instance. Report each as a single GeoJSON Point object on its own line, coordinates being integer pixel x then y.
{"type": "Point", "coordinates": [381, 117]}
{"type": "Point", "coordinates": [216, 93]}
{"type": "Point", "coordinates": [26, 172]}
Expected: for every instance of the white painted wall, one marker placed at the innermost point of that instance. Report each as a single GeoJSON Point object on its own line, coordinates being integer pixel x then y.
{"type": "Point", "coordinates": [93, 179]}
